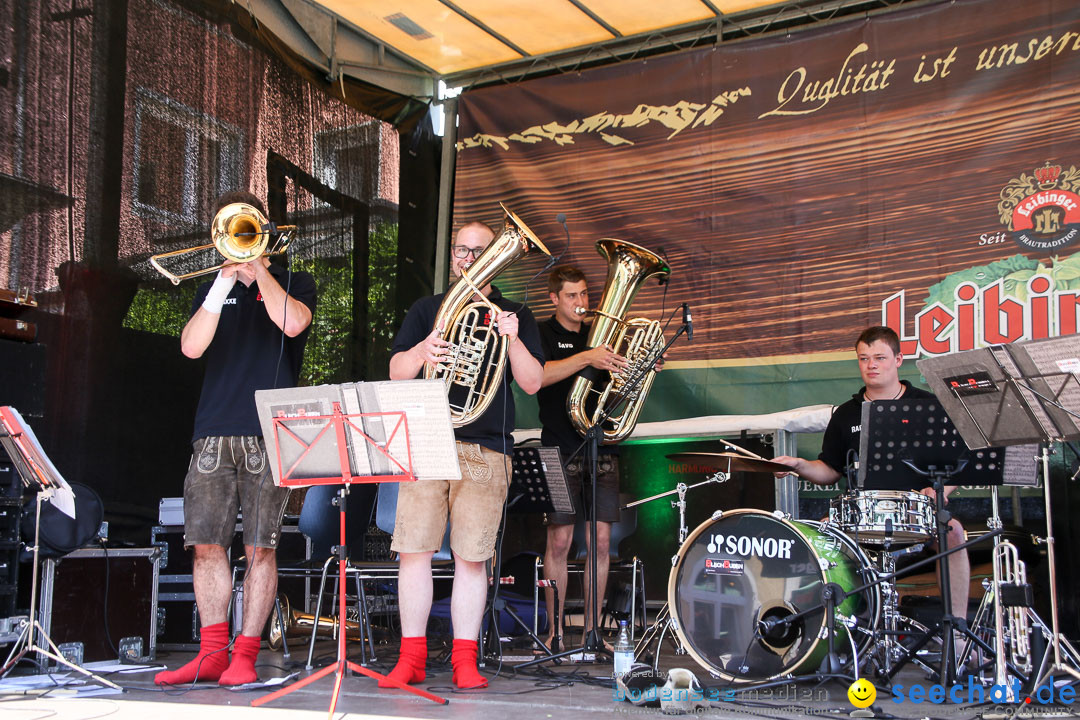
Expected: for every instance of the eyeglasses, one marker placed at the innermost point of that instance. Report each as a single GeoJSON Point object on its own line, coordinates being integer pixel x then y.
{"type": "Point", "coordinates": [461, 252]}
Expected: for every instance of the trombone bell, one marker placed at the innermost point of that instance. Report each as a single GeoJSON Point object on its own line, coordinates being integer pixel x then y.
{"type": "Point", "coordinates": [240, 233]}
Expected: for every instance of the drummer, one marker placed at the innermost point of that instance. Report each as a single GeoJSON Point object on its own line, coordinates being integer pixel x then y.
{"type": "Point", "coordinates": [878, 351]}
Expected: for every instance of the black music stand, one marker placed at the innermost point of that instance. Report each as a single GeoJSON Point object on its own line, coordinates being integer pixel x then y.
{"type": "Point", "coordinates": [38, 473]}
{"type": "Point", "coordinates": [913, 442]}
{"type": "Point", "coordinates": [336, 430]}
{"type": "Point", "coordinates": [1026, 392]}
{"type": "Point", "coordinates": [537, 482]}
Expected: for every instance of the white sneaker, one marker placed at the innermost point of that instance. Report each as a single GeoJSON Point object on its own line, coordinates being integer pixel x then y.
{"type": "Point", "coordinates": [681, 693]}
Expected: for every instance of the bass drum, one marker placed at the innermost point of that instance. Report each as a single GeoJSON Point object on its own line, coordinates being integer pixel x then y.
{"type": "Point", "coordinates": [745, 566]}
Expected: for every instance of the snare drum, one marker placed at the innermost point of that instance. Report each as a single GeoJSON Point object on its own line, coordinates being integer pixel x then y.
{"type": "Point", "coordinates": [884, 517]}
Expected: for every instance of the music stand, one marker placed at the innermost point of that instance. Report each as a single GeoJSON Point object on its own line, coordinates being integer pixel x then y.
{"type": "Point", "coordinates": [38, 473]}
{"type": "Point", "coordinates": [1034, 386]}
{"type": "Point", "coordinates": [340, 433]}
{"type": "Point", "coordinates": [913, 442]}
{"type": "Point", "coordinates": [537, 482]}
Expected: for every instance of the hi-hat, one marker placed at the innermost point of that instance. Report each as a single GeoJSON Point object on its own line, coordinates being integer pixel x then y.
{"type": "Point", "coordinates": [731, 462]}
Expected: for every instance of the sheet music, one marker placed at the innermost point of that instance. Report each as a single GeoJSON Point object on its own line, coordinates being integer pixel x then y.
{"type": "Point", "coordinates": [62, 497]}
{"type": "Point", "coordinates": [431, 431]}
{"type": "Point", "coordinates": [359, 459]}
{"type": "Point", "coordinates": [1057, 359]}
{"type": "Point", "coordinates": [376, 429]}
{"type": "Point", "coordinates": [1031, 399]}
{"type": "Point", "coordinates": [1020, 465]}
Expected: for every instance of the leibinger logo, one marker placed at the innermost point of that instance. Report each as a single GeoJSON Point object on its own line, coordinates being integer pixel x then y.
{"type": "Point", "coordinates": [1042, 210]}
{"type": "Point", "coordinates": [975, 693]}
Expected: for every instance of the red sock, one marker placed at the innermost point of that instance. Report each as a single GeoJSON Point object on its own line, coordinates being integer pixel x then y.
{"type": "Point", "coordinates": [242, 668]}
{"type": "Point", "coordinates": [208, 665]}
{"type": "Point", "coordinates": [463, 660]}
{"type": "Point", "coordinates": [411, 662]}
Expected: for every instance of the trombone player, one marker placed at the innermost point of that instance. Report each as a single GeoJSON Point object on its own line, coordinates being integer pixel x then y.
{"type": "Point", "coordinates": [474, 504]}
{"type": "Point", "coordinates": [252, 333]}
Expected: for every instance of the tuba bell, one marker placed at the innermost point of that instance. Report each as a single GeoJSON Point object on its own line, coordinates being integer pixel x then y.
{"type": "Point", "coordinates": [240, 232]}
{"type": "Point", "coordinates": [637, 339]}
{"type": "Point", "coordinates": [475, 359]}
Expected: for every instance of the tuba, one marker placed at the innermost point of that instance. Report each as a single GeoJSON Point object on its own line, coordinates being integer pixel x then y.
{"type": "Point", "coordinates": [637, 339]}
{"type": "Point", "coordinates": [473, 364]}
{"type": "Point", "coordinates": [240, 233]}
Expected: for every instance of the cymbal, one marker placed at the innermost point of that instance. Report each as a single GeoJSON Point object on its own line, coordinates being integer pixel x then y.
{"type": "Point", "coordinates": [731, 462]}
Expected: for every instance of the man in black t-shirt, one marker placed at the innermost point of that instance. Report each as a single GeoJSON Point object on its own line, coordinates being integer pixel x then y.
{"type": "Point", "coordinates": [878, 351]}
{"type": "Point", "coordinates": [252, 333]}
{"type": "Point", "coordinates": [473, 504]}
{"type": "Point", "coordinates": [566, 353]}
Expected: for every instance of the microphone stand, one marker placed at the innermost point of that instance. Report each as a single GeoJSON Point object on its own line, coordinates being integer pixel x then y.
{"type": "Point", "coordinates": [591, 642]}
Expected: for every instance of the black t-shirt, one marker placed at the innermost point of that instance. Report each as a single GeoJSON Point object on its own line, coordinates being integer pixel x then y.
{"type": "Point", "coordinates": [243, 355]}
{"type": "Point", "coordinates": [494, 428]}
{"type": "Point", "coordinates": [557, 430]}
{"type": "Point", "coordinates": [843, 433]}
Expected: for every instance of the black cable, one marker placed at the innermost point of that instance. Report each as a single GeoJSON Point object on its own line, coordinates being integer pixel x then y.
{"type": "Point", "coordinates": [105, 604]}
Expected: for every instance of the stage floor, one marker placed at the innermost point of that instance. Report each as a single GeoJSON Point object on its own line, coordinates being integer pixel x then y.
{"type": "Point", "coordinates": [563, 691]}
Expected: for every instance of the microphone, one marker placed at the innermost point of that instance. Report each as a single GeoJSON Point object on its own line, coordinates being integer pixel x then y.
{"type": "Point", "coordinates": [688, 321]}
{"type": "Point", "coordinates": [561, 219]}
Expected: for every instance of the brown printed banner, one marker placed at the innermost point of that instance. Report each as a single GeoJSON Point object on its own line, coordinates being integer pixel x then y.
{"type": "Point", "coordinates": [918, 167]}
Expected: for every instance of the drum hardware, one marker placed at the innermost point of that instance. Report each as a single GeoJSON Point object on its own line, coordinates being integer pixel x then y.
{"type": "Point", "coordinates": [680, 489]}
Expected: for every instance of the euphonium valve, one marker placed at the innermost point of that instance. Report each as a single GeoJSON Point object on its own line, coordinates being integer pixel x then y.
{"type": "Point", "coordinates": [637, 339]}
{"type": "Point", "coordinates": [475, 359]}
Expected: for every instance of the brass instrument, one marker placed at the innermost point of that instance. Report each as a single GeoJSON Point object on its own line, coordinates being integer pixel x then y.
{"type": "Point", "coordinates": [238, 232]}
{"type": "Point", "coordinates": [1010, 616]}
{"type": "Point", "coordinates": [637, 339]}
{"type": "Point", "coordinates": [298, 624]}
{"type": "Point", "coordinates": [473, 364]}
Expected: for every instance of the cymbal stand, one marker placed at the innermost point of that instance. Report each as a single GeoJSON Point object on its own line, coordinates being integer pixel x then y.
{"type": "Point", "coordinates": [664, 622]}
{"type": "Point", "coordinates": [1057, 639]}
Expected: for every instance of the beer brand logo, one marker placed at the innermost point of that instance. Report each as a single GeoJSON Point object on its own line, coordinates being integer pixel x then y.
{"type": "Point", "coordinates": [1042, 210]}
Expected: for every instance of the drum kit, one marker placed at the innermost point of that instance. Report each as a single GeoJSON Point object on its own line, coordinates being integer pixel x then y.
{"type": "Point", "coordinates": [746, 586]}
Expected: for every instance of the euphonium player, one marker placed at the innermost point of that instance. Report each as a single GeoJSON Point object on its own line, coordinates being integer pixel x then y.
{"type": "Point", "coordinates": [253, 334]}
{"type": "Point", "coordinates": [474, 504]}
{"type": "Point", "coordinates": [564, 337]}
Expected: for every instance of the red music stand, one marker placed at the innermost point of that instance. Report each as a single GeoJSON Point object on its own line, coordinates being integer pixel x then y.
{"type": "Point", "coordinates": [339, 421]}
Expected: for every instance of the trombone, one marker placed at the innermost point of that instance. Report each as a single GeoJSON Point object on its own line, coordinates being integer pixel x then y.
{"type": "Point", "coordinates": [240, 232]}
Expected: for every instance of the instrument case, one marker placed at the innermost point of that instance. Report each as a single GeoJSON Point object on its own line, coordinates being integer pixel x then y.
{"type": "Point", "coordinates": [73, 602]}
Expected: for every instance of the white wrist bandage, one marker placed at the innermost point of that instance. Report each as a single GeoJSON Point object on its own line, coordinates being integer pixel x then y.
{"type": "Point", "coordinates": [218, 292]}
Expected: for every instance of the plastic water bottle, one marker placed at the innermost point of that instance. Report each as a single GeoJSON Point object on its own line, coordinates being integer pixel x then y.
{"type": "Point", "coordinates": [624, 651]}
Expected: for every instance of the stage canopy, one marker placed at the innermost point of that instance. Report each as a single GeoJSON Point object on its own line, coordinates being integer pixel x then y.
{"type": "Point", "coordinates": [407, 46]}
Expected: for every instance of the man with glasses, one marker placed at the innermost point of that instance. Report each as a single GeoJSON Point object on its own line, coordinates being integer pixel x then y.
{"type": "Point", "coordinates": [473, 504]}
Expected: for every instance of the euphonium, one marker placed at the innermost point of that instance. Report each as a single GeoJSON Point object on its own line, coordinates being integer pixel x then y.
{"type": "Point", "coordinates": [1010, 613]}
{"type": "Point", "coordinates": [298, 624]}
{"type": "Point", "coordinates": [240, 233]}
{"type": "Point", "coordinates": [473, 363]}
{"type": "Point", "coordinates": [637, 339]}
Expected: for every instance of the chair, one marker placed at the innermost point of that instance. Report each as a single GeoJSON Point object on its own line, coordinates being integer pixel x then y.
{"type": "Point", "coordinates": [620, 530]}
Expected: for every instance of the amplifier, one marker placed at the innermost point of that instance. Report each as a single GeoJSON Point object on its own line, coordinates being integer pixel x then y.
{"type": "Point", "coordinates": [105, 600]}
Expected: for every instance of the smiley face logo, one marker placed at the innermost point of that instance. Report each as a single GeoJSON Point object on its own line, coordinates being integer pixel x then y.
{"type": "Point", "coordinates": [862, 693]}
